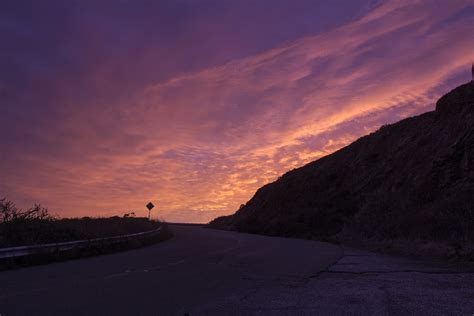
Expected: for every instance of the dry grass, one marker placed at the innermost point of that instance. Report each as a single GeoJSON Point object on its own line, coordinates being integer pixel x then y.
{"type": "Point", "coordinates": [35, 226]}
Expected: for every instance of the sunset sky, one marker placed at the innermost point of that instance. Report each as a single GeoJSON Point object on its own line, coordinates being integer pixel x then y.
{"type": "Point", "coordinates": [195, 104]}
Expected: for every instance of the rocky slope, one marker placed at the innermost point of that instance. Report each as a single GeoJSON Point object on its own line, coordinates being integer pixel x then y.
{"type": "Point", "coordinates": [409, 181]}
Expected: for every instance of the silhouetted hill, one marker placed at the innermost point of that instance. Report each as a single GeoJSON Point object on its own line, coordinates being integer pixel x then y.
{"type": "Point", "coordinates": [409, 181]}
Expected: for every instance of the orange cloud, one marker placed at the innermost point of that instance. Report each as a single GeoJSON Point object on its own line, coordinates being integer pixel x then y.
{"type": "Point", "coordinates": [200, 144]}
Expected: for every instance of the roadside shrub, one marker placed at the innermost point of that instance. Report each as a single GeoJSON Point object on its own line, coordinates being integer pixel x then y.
{"type": "Point", "coordinates": [36, 226]}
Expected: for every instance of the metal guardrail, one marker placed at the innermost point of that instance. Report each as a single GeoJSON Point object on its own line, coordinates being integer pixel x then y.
{"type": "Point", "coordinates": [14, 252]}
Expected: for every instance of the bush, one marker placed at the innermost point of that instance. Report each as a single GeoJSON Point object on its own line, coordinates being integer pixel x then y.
{"type": "Point", "coordinates": [36, 226]}
{"type": "Point", "coordinates": [10, 213]}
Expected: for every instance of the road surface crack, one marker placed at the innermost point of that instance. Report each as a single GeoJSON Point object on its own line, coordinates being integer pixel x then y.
{"type": "Point", "coordinates": [332, 270]}
{"type": "Point", "coordinates": [396, 271]}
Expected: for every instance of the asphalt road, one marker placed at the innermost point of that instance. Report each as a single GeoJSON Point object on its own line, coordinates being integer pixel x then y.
{"type": "Point", "coordinates": [208, 272]}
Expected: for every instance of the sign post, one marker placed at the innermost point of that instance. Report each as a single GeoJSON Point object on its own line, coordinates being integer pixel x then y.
{"type": "Point", "coordinates": [149, 206]}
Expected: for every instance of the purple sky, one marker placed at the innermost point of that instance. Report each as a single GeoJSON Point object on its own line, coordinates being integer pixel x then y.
{"type": "Point", "coordinates": [106, 105]}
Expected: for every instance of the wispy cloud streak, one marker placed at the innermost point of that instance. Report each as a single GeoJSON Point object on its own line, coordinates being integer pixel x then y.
{"type": "Point", "coordinates": [201, 143]}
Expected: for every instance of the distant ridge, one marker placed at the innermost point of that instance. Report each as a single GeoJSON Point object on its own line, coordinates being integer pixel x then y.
{"type": "Point", "coordinates": [409, 182]}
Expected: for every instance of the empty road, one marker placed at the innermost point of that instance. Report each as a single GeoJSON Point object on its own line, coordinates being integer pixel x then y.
{"type": "Point", "coordinates": [202, 271]}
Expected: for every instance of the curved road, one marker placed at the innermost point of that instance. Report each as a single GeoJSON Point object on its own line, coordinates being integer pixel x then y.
{"type": "Point", "coordinates": [203, 271]}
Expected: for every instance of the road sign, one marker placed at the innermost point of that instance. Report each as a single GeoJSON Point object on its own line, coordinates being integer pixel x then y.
{"type": "Point", "coordinates": [149, 206]}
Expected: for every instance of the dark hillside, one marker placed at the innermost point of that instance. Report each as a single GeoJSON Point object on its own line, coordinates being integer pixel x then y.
{"type": "Point", "coordinates": [410, 181]}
